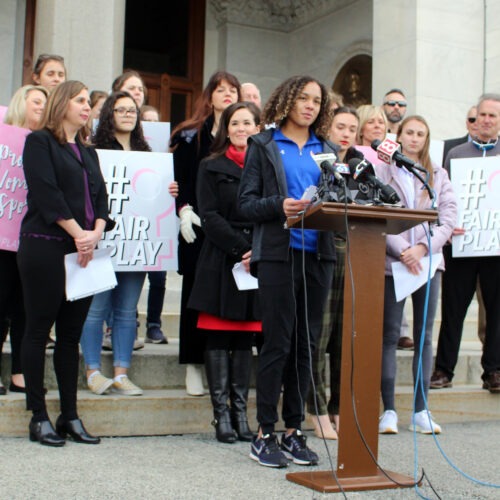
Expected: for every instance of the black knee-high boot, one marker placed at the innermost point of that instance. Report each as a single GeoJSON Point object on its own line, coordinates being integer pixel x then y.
{"type": "Point", "coordinates": [241, 368]}
{"type": "Point", "coordinates": [217, 369]}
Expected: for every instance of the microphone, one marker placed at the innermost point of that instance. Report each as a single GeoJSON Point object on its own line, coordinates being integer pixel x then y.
{"type": "Point", "coordinates": [389, 151]}
{"type": "Point", "coordinates": [326, 162]}
{"type": "Point", "coordinates": [363, 171]}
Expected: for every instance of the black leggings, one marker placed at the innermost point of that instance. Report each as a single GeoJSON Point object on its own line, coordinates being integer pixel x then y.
{"type": "Point", "coordinates": [11, 307]}
{"type": "Point", "coordinates": [41, 266]}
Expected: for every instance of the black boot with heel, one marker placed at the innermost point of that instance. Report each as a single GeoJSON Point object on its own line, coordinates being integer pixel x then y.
{"type": "Point", "coordinates": [241, 368]}
{"type": "Point", "coordinates": [217, 369]}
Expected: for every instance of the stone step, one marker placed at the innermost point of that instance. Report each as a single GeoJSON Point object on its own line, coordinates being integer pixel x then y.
{"type": "Point", "coordinates": [170, 317]}
{"type": "Point", "coordinates": [157, 366]}
{"type": "Point", "coordinates": [161, 412]}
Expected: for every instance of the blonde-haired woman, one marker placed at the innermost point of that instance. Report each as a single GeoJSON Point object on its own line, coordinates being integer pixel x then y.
{"type": "Point", "coordinates": [26, 107]}
{"type": "Point", "coordinates": [372, 124]}
{"type": "Point", "coordinates": [409, 248]}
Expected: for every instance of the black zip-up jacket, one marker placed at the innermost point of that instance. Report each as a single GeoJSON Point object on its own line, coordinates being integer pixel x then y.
{"type": "Point", "coordinates": [263, 188]}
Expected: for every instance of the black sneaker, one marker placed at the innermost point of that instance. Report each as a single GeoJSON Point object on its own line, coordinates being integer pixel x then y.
{"type": "Point", "coordinates": [154, 335]}
{"type": "Point", "coordinates": [267, 452]}
{"type": "Point", "coordinates": [295, 448]}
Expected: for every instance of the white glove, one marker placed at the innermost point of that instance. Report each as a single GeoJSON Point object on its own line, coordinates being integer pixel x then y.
{"type": "Point", "coordinates": [188, 218]}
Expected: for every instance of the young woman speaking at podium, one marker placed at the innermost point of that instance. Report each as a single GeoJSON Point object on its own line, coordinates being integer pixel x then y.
{"type": "Point", "coordinates": [294, 268]}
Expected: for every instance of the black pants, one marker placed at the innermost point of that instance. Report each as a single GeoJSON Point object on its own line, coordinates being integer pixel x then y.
{"type": "Point", "coordinates": [290, 332]}
{"type": "Point", "coordinates": [157, 284]}
{"type": "Point", "coordinates": [41, 266]}
{"type": "Point", "coordinates": [11, 307]}
{"type": "Point", "coordinates": [458, 287]}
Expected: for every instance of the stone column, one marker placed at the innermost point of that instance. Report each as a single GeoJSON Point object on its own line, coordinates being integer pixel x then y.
{"type": "Point", "coordinates": [434, 51]}
{"type": "Point", "coordinates": [89, 35]}
{"type": "Point", "coordinates": [12, 21]}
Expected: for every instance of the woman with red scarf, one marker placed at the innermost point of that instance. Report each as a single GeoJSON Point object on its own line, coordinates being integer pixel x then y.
{"type": "Point", "coordinates": [227, 315]}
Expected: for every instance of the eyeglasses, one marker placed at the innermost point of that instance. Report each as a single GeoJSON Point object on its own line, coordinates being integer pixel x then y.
{"type": "Point", "coordinates": [471, 119]}
{"type": "Point", "coordinates": [401, 104]}
{"type": "Point", "coordinates": [125, 111]}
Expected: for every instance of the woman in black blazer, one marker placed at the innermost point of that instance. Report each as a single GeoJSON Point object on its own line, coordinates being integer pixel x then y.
{"type": "Point", "coordinates": [67, 213]}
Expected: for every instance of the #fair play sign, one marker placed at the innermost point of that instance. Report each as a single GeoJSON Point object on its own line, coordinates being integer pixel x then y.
{"type": "Point", "coordinates": [145, 235]}
{"type": "Point", "coordinates": [476, 182]}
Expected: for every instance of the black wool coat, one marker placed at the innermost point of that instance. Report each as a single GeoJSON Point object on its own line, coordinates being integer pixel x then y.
{"type": "Point", "coordinates": [228, 235]}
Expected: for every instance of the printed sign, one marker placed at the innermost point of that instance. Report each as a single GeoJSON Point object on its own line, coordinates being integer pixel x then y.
{"type": "Point", "coordinates": [476, 182]}
{"type": "Point", "coordinates": [13, 188]}
{"type": "Point", "coordinates": [145, 235]}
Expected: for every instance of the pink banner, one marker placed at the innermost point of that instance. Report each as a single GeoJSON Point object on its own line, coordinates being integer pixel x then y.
{"type": "Point", "coordinates": [3, 112]}
{"type": "Point", "coordinates": [13, 187]}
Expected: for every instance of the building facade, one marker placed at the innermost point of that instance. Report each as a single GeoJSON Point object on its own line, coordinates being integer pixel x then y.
{"type": "Point", "coordinates": [443, 54]}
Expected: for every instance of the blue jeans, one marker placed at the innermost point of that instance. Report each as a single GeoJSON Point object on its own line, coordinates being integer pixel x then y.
{"type": "Point", "coordinates": [123, 301]}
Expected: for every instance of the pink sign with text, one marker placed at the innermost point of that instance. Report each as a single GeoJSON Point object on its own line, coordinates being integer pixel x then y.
{"type": "Point", "coordinates": [13, 188]}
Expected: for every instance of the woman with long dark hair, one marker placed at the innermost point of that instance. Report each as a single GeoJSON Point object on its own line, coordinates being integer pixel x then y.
{"type": "Point", "coordinates": [227, 316]}
{"type": "Point", "coordinates": [191, 141]}
{"type": "Point", "coordinates": [67, 213]}
{"type": "Point", "coordinates": [294, 268]}
{"type": "Point", "coordinates": [119, 129]}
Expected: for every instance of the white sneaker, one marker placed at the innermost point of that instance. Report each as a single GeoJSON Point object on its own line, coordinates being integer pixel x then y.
{"type": "Point", "coordinates": [125, 386]}
{"type": "Point", "coordinates": [422, 422]}
{"type": "Point", "coordinates": [388, 422]}
{"type": "Point", "coordinates": [194, 380]}
{"type": "Point", "coordinates": [98, 383]}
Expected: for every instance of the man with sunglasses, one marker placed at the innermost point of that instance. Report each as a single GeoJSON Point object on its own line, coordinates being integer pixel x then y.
{"type": "Point", "coordinates": [461, 275]}
{"type": "Point", "coordinates": [471, 124]}
{"type": "Point", "coordinates": [394, 105]}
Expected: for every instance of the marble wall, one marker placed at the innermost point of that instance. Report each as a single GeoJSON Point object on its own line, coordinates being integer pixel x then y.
{"type": "Point", "coordinates": [11, 47]}
{"type": "Point", "coordinates": [89, 35]}
{"type": "Point", "coordinates": [434, 51]}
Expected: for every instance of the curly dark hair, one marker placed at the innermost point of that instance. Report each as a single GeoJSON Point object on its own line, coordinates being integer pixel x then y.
{"type": "Point", "coordinates": [284, 97]}
{"type": "Point", "coordinates": [104, 136]}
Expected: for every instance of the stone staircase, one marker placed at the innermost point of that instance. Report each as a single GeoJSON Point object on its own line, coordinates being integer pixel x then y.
{"type": "Point", "coordinates": [166, 409]}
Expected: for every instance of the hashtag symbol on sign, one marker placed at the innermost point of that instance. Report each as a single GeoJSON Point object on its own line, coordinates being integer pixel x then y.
{"type": "Point", "coordinates": [116, 185]}
{"type": "Point", "coordinates": [473, 185]}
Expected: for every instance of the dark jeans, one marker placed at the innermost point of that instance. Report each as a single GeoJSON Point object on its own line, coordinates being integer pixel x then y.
{"type": "Point", "coordinates": [157, 284]}
{"type": "Point", "coordinates": [290, 333]}
{"type": "Point", "coordinates": [41, 266]}
{"type": "Point", "coordinates": [393, 315]}
{"type": "Point", "coordinates": [11, 307]}
{"type": "Point", "coordinates": [459, 285]}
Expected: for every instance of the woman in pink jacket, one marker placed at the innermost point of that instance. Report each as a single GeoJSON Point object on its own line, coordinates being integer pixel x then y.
{"type": "Point", "coordinates": [409, 248]}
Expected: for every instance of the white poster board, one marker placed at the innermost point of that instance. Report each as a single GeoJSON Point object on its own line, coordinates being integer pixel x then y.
{"type": "Point", "coordinates": [476, 182]}
{"type": "Point", "coordinates": [145, 235]}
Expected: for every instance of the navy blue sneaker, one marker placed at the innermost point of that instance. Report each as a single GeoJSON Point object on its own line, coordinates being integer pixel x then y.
{"type": "Point", "coordinates": [295, 448]}
{"type": "Point", "coordinates": [154, 335]}
{"type": "Point", "coordinates": [267, 452]}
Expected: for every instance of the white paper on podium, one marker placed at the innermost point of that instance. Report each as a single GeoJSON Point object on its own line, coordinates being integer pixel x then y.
{"type": "Point", "coordinates": [97, 277]}
{"type": "Point", "coordinates": [406, 283]}
{"type": "Point", "coordinates": [244, 280]}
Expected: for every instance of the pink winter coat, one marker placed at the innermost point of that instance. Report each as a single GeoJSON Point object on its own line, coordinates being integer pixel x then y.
{"type": "Point", "coordinates": [446, 206]}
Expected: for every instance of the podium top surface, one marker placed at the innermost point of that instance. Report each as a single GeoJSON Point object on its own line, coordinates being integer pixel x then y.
{"type": "Point", "coordinates": [327, 216]}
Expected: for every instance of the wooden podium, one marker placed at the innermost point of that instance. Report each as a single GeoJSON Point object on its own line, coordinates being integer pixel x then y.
{"type": "Point", "coordinates": [361, 350]}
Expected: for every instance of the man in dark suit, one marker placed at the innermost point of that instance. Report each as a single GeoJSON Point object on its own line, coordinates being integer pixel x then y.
{"type": "Point", "coordinates": [470, 123]}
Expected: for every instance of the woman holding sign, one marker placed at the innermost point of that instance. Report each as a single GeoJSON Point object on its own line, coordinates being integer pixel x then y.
{"type": "Point", "coordinates": [25, 111]}
{"type": "Point", "coordinates": [120, 129]}
{"type": "Point", "coordinates": [410, 248]}
{"type": "Point", "coordinates": [227, 315]}
{"type": "Point", "coordinates": [67, 213]}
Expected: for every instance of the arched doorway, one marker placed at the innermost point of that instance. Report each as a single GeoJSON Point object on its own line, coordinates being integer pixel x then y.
{"type": "Point", "coordinates": [354, 81]}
